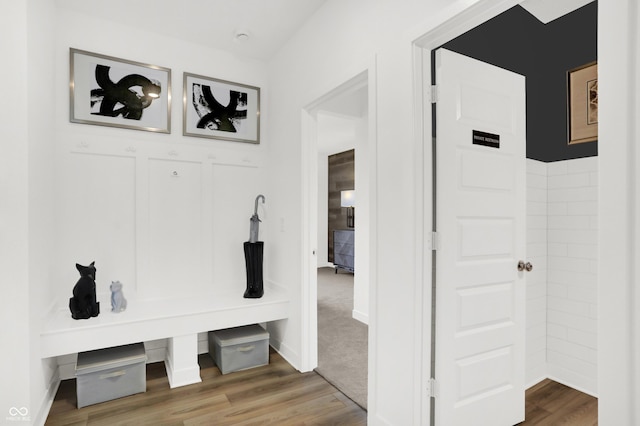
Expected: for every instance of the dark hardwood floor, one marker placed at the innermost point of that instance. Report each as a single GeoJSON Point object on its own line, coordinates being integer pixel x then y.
{"type": "Point", "coordinates": [551, 404]}
{"type": "Point", "coordinates": [276, 394]}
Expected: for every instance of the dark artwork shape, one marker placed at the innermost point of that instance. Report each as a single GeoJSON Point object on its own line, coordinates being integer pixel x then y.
{"type": "Point", "coordinates": [120, 98]}
{"type": "Point", "coordinates": [253, 260]}
{"type": "Point", "coordinates": [83, 304]}
{"type": "Point", "coordinates": [215, 116]}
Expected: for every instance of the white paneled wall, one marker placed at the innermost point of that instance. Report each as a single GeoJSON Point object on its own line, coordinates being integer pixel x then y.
{"type": "Point", "coordinates": [572, 275]}
{"type": "Point", "coordinates": [536, 342]}
{"type": "Point", "coordinates": [562, 206]}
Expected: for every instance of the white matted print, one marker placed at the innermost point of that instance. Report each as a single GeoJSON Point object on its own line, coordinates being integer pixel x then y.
{"type": "Point", "coordinates": [221, 109]}
{"type": "Point", "coordinates": [108, 91]}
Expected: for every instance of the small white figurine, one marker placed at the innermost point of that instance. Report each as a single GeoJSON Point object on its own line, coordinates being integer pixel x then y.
{"type": "Point", "coordinates": [118, 302]}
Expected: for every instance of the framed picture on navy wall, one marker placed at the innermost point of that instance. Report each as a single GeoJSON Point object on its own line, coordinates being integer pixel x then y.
{"type": "Point", "coordinates": [582, 86]}
{"type": "Point", "coordinates": [108, 91]}
{"type": "Point", "coordinates": [220, 109]}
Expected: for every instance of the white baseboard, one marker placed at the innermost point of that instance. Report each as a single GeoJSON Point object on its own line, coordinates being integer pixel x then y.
{"type": "Point", "coordinates": [363, 318]}
{"type": "Point", "coordinates": [47, 401]}
{"type": "Point", "coordinates": [285, 352]}
{"type": "Point", "coordinates": [575, 384]}
{"type": "Point", "coordinates": [183, 376]}
{"type": "Point", "coordinates": [535, 382]}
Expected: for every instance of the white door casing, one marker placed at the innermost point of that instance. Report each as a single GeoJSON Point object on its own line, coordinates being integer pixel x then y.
{"type": "Point", "coordinates": [480, 215]}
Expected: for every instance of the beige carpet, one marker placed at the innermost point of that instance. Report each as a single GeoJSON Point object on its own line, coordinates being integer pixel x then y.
{"type": "Point", "coordinates": [342, 341]}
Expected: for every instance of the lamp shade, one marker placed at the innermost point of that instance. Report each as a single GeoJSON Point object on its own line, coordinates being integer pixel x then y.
{"type": "Point", "coordinates": [348, 198]}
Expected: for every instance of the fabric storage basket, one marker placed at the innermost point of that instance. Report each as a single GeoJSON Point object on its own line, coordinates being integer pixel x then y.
{"type": "Point", "coordinates": [110, 373]}
{"type": "Point", "coordinates": [239, 348]}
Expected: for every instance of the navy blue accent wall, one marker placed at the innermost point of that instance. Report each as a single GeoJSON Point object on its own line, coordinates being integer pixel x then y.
{"type": "Point", "coordinates": [517, 41]}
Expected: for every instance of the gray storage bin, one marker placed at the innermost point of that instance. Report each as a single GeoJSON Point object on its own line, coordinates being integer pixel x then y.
{"type": "Point", "coordinates": [110, 373]}
{"type": "Point", "coordinates": [239, 348]}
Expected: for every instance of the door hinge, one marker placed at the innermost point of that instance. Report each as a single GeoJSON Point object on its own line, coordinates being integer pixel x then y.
{"type": "Point", "coordinates": [434, 94]}
{"type": "Point", "coordinates": [435, 241]}
{"type": "Point", "coordinates": [432, 388]}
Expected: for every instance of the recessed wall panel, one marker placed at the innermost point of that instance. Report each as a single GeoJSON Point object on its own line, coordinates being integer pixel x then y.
{"type": "Point", "coordinates": [234, 190]}
{"type": "Point", "coordinates": [97, 205]}
{"type": "Point", "coordinates": [175, 229]}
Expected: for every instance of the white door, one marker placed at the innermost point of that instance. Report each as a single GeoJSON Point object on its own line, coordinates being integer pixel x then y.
{"type": "Point", "coordinates": [480, 215]}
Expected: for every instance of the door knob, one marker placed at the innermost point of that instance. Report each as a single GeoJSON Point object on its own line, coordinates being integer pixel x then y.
{"type": "Point", "coordinates": [524, 266]}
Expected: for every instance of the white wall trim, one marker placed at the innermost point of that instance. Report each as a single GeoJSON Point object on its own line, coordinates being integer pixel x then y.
{"type": "Point", "coordinates": [362, 317]}
{"type": "Point", "coordinates": [450, 23]}
{"type": "Point", "coordinates": [181, 376]}
{"type": "Point", "coordinates": [634, 17]}
{"type": "Point", "coordinates": [287, 353]}
{"type": "Point", "coordinates": [561, 376]}
{"type": "Point", "coordinates": [572, 384]}
{"type": "Point", "coordinates": [309, 197]}
{"type": "Point", "coordinates": [619, 193]}
{"type": "Point", "coordinates": [423, 227]}
{"type": "Point", "coordinates": [47, 400]}
{"type": "Point", "coordinates": [309, 278]}
{"type": "Point", "coordinates": [534, 382]}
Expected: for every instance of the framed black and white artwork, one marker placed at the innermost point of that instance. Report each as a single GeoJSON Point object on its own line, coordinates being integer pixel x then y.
{"type": "Point", "coordinates": [582, 111]}
{"type": "Point", "coordinates": [108, 91]}
{"type": "Point", "coordinates": [220, 109]}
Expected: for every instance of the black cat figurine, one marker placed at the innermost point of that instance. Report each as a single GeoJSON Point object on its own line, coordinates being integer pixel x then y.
{"type": "Point", "coordinates": [83, 304]}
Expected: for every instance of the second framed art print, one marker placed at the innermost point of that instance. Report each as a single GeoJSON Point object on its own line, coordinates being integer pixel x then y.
{"type": "Point", "coordinates": [220, 109]}
{"type": "Point", "coordinates": [109, 91]}
{"type": "Point", "coordinates": [582, 95]}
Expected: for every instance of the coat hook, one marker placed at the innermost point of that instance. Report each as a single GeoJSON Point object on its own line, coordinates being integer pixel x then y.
{"type": "Point", "coordinates": [175, 173]}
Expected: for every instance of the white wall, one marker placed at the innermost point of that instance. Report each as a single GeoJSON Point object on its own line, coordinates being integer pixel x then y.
{"type": "Point", "coordinates": [26, 207]}
{"type": "Point", "coordinates": [342, 40]}
{"type": "Point", "coordinates": [120, 203]}
{"type": "Point", "coordinates": [350, 38]}
{"type": "Point", "coordinates": [562, 244]}
{"type": "Point", "coordinates": [572, 308]}
{"type": "Point", "coordinates": [43, 378]}
{"type": "Point", "coordinates": [362, 261]}
{"type": "Point", "coordinates": [14, 212]}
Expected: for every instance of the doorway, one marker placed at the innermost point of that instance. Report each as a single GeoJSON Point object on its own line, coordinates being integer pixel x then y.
{"type": "Point", "coordinates": [555, 262]}
{"type": "Point", "coordinates": [481, 225]}
{"type": "Point", "coordinates": [335, 123]}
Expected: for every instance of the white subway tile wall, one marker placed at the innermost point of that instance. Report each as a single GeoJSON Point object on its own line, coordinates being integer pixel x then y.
{"type": "Point", "coordinates": [537, 252]}
{"type": "Point", "coordinates": [572, 272]}
{"type": "Point", "coordinates": [562, 221]}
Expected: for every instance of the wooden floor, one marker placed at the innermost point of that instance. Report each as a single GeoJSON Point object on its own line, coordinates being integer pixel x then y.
{"type": "Point", "coordinates": [551, 404]}
{"type": "Point", "coordinates": [276, 394]}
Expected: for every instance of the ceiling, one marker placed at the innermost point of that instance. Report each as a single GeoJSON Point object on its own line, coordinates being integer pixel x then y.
{"type": "Point", "coordinates": [214, 23]}
{"type": "Point", "coordinates": [548, 10]}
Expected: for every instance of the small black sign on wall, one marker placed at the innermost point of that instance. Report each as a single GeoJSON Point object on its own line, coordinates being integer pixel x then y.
{"type": "Point", "coordinates": [486, 139]}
